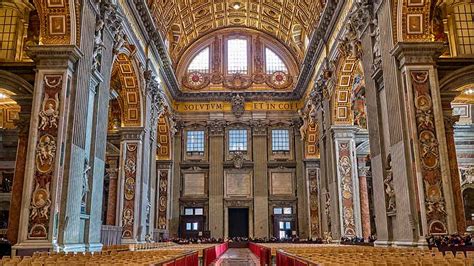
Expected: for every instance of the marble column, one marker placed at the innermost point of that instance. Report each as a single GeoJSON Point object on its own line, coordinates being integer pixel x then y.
{"type": "Point", "coordinates": [40, 206]}
{"type": "Point", "coordinates": [449, 121]}
{"type": "Point", "coordinates": [425, 120]}
{"type": "Point", "coordinates": [347, 180]}
{"type": "Point", "coordinates": [112, 199]}
{"type": "Point", "coordinates": [260, 176]}
{"type": "Point", "coordinates": [131, 146]}
{"type": "Point", "coordinates": [23, 126]}
{"type": "Point", "coordinates": [216, 178]}
{"type": "Point", "coordinates": [364, 201]}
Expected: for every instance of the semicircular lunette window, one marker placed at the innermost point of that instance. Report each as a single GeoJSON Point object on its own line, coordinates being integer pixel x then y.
{"type": "Point", "coordinates": [200, 62]}
{"type": "Point", "coordinates": [273, 63]}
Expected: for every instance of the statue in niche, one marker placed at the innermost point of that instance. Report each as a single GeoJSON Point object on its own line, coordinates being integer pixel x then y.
{"type": "Point", "coordinates": [388, 182]}
{"type": "Point", "coordinates": [98, 45]}
{"type": "Point", "coordinates": [437, 23]}
{"type": "Point", "coordinates": [350, 46]}
{"type": "Point", "coordinates": [85, 181]}
{"type": "Point", "coordinates": [376, 45]}
{"type": "Point", "coordinates": [358, 105]}
{"type": "Point", "coordinates": [308, 115]}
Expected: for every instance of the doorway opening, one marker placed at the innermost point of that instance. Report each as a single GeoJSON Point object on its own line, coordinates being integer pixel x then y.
{"type": "Point", "coordinates": [238, 222]}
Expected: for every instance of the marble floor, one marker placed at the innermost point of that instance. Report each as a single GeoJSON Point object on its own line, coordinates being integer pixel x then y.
{"type": "Point", "coordinates": [237, 257]}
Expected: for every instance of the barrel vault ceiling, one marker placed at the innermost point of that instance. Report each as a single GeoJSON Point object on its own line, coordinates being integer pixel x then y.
{"type": "Point", "coordinates": [182, 22]}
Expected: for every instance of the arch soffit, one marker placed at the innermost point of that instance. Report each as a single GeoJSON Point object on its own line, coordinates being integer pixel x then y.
{"type": "Point", "coordinates": [15, 83]}
{"type": "Point", "coordinates": [130, 94]}
{"type": "Point", "coordinates": [164, 137]}
{"type": "Point", "coordinates": [457, 79]}
{"type": "Point", "coordinates": [412, 20]}
{"type": "Point", "coordinates": [58, 21]}
{"type": "Point", "coordinates": [347, 69]}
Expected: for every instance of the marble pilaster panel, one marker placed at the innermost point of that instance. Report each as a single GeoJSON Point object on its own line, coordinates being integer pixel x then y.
{"type": "Point", "coordinates": [260, 178]}
{"type": "Point", "coordinates": [216, 178]}
{"type": "Point", "coordinates": [348, 182]}
{"type": "Point", "coordinates": [129, 182]}
{"type": "Point", "coordinates": [431, 162]}
{"type": "Point", "coordinates": [47, 137]}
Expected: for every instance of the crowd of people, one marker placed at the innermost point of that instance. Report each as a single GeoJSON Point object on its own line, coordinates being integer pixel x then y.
{"type": "Point", "coordinates": [358, 240]}
{"type": "Point", "coordinates": [454, 240]}
{"type": "Point", "coordinates": [211, 240]}
{"type": "Point", "coordinates": [198, 240]}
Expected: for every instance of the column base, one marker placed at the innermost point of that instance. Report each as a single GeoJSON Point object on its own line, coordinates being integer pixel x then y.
{"type": "Point", "coordinates": [73, 248]}
{"type": "Point", "coordinates": [94, 247]}
{"type": "Point", "coordinates": [27, 249]}
{"type": "Point", "coordinates": [406, 243]}
{"type": "Point", "coordinates": [382, 243]}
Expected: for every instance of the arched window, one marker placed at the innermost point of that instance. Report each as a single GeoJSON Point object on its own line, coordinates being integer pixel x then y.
{"type": "Point", "coordinates": [200, 62]}
{"type": "Point", "coordinates": [237, 61]}
{"type": "Point", "coordinates": [273, 62]}
{"type": "Point", "coordinates": [231, 59]}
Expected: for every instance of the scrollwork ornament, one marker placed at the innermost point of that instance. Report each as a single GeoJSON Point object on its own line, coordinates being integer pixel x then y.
{"type": "Point", "coordinates": [216, 127]}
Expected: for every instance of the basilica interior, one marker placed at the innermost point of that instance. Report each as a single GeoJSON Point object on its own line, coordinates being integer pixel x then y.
{"type": "Point", "coordinates": [309, 124]}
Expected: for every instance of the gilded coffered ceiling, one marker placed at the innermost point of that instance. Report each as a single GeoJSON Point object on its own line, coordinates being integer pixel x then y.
{"type": "Point", "coordinates": [183, 21]}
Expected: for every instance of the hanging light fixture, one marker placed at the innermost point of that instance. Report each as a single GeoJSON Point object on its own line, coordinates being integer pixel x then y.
{"type": "Point", "coordinates": [236, 5]}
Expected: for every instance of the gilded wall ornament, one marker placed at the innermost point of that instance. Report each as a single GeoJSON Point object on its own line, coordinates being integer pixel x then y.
{"type": "Point", "coordinates": [314, 202]}
{"type": "Point", "coordinates": [238, 105]}
{"type": "Point", "coordinates": [429, 153]}
{"type": "Point", "coordinates": [163, 199]}
{"type": "Point", "coordinates": [238, 159]}
{"type": "Point", "coordinates": [346, 188]}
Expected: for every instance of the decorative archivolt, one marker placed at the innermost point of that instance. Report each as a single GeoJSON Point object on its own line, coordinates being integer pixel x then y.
{"type": "Point", "coordinates": [183, 22]}
{"type": "Point", "coordinates": [129, 82]}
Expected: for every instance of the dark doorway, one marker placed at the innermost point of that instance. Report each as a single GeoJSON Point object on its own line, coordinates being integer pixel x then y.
{"type": "Point", "coordinates": [238, 222]}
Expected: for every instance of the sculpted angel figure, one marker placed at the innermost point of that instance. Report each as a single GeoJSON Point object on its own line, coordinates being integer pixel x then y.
{"type": "Point", "coordinates": [40, 202]}
{"type": "Point", "coordinates": [46, 151]}
{"type": "Point", "coordinates": [49, 113]}
{"type": "Point", "coordinates": [304, 128]}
